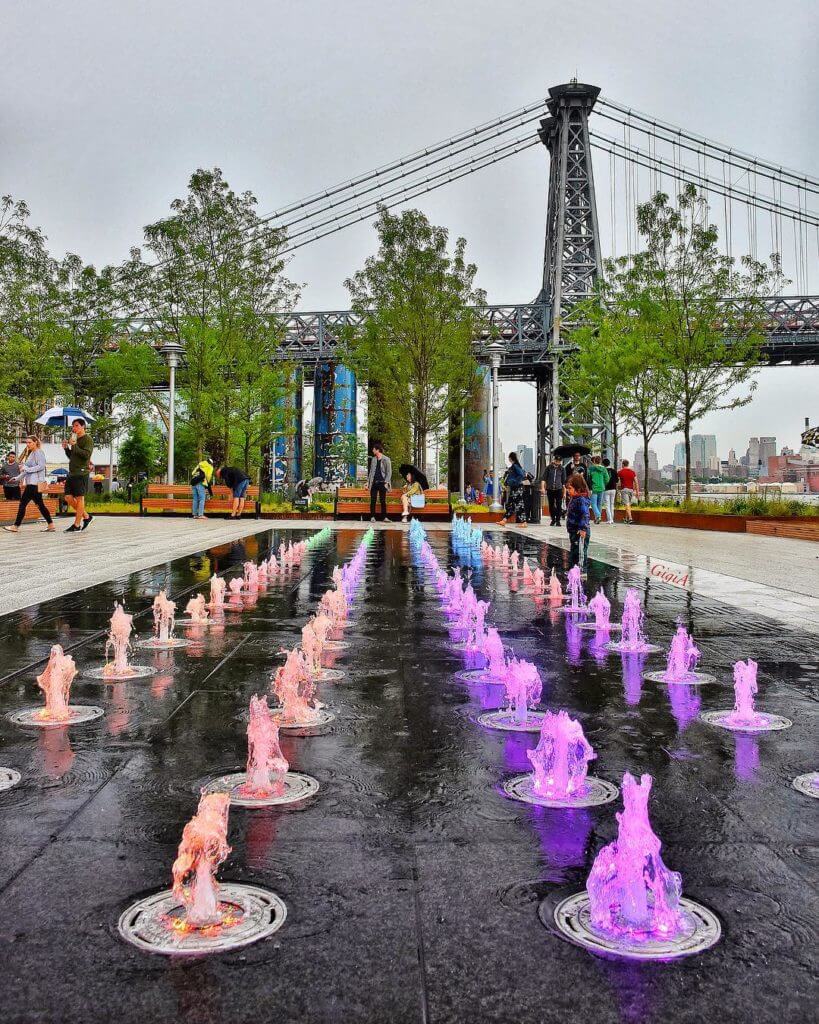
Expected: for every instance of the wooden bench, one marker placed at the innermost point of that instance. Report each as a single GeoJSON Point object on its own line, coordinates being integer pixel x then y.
{"type": "Point", "coordinates": [8, 510]}
{"type": "Point", "coordinates": [178, 498]}
{"type": "Point", "coordinates": [797, 529]}
{"type": "Point", "coordinates": [355, 501]}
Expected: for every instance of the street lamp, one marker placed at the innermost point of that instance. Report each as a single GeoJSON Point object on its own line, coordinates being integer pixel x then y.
{"type": "Point", "coordinates": [171, 352]}
{"type": "Point", "coordinates": [495, 349]}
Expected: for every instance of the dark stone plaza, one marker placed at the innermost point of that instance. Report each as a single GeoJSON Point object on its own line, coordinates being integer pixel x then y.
{"type": "Point", "coordinates": [415, 890]}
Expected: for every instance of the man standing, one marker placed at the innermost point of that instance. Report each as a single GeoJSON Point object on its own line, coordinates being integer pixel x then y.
{"type": "Point", "coordinates": [10, 474]}
{"type": "Point", "coordinates": [555, 484]}
{"type": "Point", "coordinates": [629, 487]}
{"type": "Point", "coordinates": [379, 480]}
{"type": "Point", "coordinates": [576, 466]}
{"type": "Point", "coordinates": [79, 449]}
{"type": "Point", "coordinates": [238, 481]}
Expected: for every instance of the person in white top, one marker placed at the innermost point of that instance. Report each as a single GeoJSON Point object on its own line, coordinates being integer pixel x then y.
{"type": "Point", "coordinates": [33, 467]}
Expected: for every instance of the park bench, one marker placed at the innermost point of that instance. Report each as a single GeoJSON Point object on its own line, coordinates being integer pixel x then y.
{"type": "Point", "coordinates": [8, 510]}
{"type": "Point", "coordinates": [178, 498]}
{"type": "Point", "coordinates": [355, 502]}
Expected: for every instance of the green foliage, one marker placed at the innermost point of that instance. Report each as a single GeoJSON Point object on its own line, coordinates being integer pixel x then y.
{"type": "Point", "coordinates": [414, 344]}
{"type": "Point", "coordinates": [742, 505]}
{"type": "Point", "coordinates": [139, 452]}
{"type": "Point", "coordinates": [221, 285]}
{"type": "Point", "coordinates": [348, 451]}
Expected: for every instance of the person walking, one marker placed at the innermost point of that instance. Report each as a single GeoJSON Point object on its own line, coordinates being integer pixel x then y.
{"type": "Point", "coordinates": [577, 520]}
{"type": "Point", "coordinates": [79, 449]}
{"type": "Point", "coordinates": [201, 481]}
{"type": "Point", "coordinates": [598, 481]}
{"type": "Point", "coordinates": [610, 491]}
{"type": "Point", "coordinates": [513, 480]}
{"type": "Point", "coordinates": [33, 474]}
{"type": "Point", "coordinates": [238, 481]}
{"type": "Point", "coordinates": [10, 477]}
{"type": "Point", "coordinates": [555, 482]}
{"type": "Point", "coordinates": [379, 480]}
{"type": "Point", "coordinates": [629, 487]}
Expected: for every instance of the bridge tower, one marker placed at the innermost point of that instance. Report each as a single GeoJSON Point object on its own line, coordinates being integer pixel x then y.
{"type": "Point", "coordinates": [572, 261]}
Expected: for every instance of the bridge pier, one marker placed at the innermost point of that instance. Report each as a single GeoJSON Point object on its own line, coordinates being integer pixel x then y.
{"type": "Point", "coordinates": [287, 446]}
{"type": "Point", "coordinates": [334, 411]}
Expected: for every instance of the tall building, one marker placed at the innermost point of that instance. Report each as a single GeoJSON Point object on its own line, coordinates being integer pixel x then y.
{"type": "Point", "coordinates": [704, 452]}
{"type": "Point", "coordinates": [527, 458]}
{"type": "Point", "coordinates": [653, 463]}
{"type": "Point", "coordinates": [760, 449]}
{"type": "Point", "coordinates": [679, 455]}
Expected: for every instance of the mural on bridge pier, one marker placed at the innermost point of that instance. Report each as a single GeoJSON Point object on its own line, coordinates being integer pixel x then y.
{"type": "Point", "coordinates": [334, 408]}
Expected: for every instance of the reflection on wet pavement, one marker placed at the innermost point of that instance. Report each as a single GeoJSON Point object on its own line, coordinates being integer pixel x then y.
{"type": "Point", "coordinates": [412, 883]}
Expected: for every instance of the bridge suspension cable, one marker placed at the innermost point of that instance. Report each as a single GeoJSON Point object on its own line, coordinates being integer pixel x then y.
{"type": "Point", "coordinates": [684, 173]}
{"type": "Point", "coordinates": [699, 143]}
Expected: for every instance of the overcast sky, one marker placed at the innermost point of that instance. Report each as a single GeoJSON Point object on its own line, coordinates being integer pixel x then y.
{"type": "Point", "coordinates": [106, 108]}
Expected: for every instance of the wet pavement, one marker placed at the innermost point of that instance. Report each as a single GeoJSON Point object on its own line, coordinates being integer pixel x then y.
{"type": "Point", "coordinates": [412, 884]}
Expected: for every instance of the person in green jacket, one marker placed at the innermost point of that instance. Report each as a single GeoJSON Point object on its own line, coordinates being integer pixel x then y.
{"type": "Point", "coordinates": [79, 449]}
{"type": "Point", "coordinates": [201, 480]}
{"type": "Point", "coordinates": [598, 481]}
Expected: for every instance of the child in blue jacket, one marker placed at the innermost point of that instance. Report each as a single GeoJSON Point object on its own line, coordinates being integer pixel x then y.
{"type": "Point", "coordinates": [577, 520]}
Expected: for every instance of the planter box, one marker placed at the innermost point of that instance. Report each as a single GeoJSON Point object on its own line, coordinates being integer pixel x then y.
{"type": "Point", "coordinates": [801, 529]}
{"type": "Point", "coordinates": [484, 517]}
{"type": "Point", "coordinates": [307, 516]}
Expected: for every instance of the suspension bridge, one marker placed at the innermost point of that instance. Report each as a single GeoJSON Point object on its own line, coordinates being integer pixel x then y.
{"type": "Point", "coordinates": [760, 208]}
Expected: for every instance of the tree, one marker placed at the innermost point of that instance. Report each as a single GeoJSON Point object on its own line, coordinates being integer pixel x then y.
{"type": "Point", "coordinates": [414, 343]}
{"type": "Point", "coordinates": [30, 368]}
{"type": "Point", "coordinates": [217, 291]}
{"type": "Point", "coordinates": [348, 453]}
{"type": "Point", "coordinates": [139, 452]}
{"type": "Point", "coordinates": [706, 347]}
{"type": "Point", "coordinates": [618, 367]}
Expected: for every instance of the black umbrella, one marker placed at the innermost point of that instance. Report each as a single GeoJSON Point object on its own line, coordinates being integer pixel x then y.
{"type": "Point", "coordinates": [417, 475]}
{"type": "Point", "coordinates": [565, 451]}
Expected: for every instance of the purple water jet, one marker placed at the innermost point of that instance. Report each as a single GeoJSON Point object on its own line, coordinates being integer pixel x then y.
{"type": "Point", "coordinates": [633, 640]}
{"type": "Point", "coordinates": [560, 763]}
{"type": "Point", "coordinates": [523, 691]}
{"type": "Point", "coordinates": [633, 904]}
{"type": "Point", "coordinates": [683, 656]}
{"type": "Point", "coordinates": [744, 717]}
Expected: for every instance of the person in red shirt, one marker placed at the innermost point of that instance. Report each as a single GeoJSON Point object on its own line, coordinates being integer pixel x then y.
{"type": "Point", "coordinates": [629, 487]}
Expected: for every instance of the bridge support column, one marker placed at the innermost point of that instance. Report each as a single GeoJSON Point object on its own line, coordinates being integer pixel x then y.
{"type": "Point", "coordinates": [334, 408]}
{"type": "Point", "coordinates": [287, 448]}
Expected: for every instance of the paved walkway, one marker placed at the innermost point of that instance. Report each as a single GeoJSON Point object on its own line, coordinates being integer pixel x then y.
{"type": "Point", "coordinates": [38, 566]}
{"type": "Point", "coordinates": [769, 576]}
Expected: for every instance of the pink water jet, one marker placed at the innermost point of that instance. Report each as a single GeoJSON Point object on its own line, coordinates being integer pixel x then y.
{"type": "Point", "coordinates": [197, 609]}
{"type": "Point", "coordinates": [745, 690]}
{"type": "Point", "coordinates": [217, 591]}
{"type": "Point", "coordinates": [236, 586]}
{"type": "Point", "coordinates": [561, 758]}
{"type": "Point", "coordinates": [683, 656]}
{"type": "Point", "coordinates": [514, 559]}
{"type": "Point", "coordinates": [555, 590]}
{"type": "Point", "coordinates": [528, 577]}
{"type": "Point", "coordinates": [164, 611]}
{"type": "Point", "coordinates": [251, 577]}
{"type": "Point", "coordinates": [118, 642]}
{"type": "Point", "coordinates": [601, 609]}
{"type": "Point", "coordinates": [266, 764]}
{"type": "Point", "coordinates": [538, 582]}
{"type": "Point", "coordinates": [202, 849]}
{"type": "Point", "coordinates": [295, 690]}
{"type": "Point", "coordinates": [523, 688]}
{"type": "Point", "coordinates": [577, 597]}
{"type": "Point", "coordinates": [633, 640]}
{"type": "Point", "coordinates": [632, 894]}
{"type": "Point", "coordinates": [55, 682]}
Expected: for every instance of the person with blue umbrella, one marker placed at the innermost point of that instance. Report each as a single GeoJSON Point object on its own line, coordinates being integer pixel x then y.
{"type": "Point", "coordinates": [79, 449]}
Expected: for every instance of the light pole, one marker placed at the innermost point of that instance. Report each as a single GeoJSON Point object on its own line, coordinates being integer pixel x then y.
{"type": "Point", "coordinates": [461, 467]}
{"type": "Point", "coordinates": [495, 349]}
{"type": "Point", "coordinates": [171, 352]}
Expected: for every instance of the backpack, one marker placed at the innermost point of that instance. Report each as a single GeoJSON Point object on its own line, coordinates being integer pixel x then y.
{"type": "Point", "coordinates": [198, 477]}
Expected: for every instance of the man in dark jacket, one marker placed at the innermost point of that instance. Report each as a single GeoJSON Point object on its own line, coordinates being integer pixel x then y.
{"type": "Point", "coordinates": [238, 481]}
{"type": "Point", "coordinates": [555, 481]}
